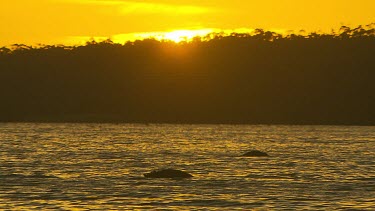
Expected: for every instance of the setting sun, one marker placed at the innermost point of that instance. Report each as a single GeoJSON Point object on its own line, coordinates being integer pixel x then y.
{"type": "Point", "coordinates": [185, 35]}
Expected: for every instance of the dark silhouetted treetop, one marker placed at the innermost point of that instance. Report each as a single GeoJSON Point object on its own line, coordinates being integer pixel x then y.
{"type": "Point", "coordinates": [261, 77]}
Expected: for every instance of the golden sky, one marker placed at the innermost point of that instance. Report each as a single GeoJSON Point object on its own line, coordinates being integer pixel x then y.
{"type": "Point", "coordinates": [70, 21]}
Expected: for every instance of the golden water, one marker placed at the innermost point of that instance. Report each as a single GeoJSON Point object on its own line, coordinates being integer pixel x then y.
{"type": "Point", "coordinates": [101, 167]}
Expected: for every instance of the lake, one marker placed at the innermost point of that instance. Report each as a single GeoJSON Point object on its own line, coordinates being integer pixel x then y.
{"type": "Point", "coordinates": [101, 167]}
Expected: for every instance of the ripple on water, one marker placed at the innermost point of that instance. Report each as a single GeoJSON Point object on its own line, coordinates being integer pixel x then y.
{"type": "Point", "coordinates": [101, 166]}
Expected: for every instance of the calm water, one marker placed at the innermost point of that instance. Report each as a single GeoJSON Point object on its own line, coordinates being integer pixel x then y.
{"type": "Point", "coordinates": [101, 167]}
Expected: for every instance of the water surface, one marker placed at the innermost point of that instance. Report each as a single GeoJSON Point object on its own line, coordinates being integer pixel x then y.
{"type": "Point", "coordinates": [101, 167]}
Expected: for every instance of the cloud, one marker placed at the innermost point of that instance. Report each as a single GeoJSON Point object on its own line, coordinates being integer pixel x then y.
{"type": "Point", "coordinates": [136, 7]}
{"type": "Point", "coordinates": [139, 7]}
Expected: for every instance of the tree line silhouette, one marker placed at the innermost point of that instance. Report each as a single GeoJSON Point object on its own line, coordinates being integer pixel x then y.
{"type": "Point", "coordinates": [258, 78]}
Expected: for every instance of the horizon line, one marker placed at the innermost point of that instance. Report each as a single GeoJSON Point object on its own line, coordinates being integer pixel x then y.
{"type": "Point", "coordinates": [176, 35]}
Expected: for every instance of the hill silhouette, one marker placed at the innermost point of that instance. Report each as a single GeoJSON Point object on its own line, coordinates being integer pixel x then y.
{"type": "Point", "coordinates": [259, 78]}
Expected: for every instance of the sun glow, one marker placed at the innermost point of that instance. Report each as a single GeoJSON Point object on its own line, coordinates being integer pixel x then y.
{"type": "Point", "coordinates": [185, 35]}
{"type": "Point", "coordinates": [177, 36]}
{"type": "Point", "coordinates": [182, 35]}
